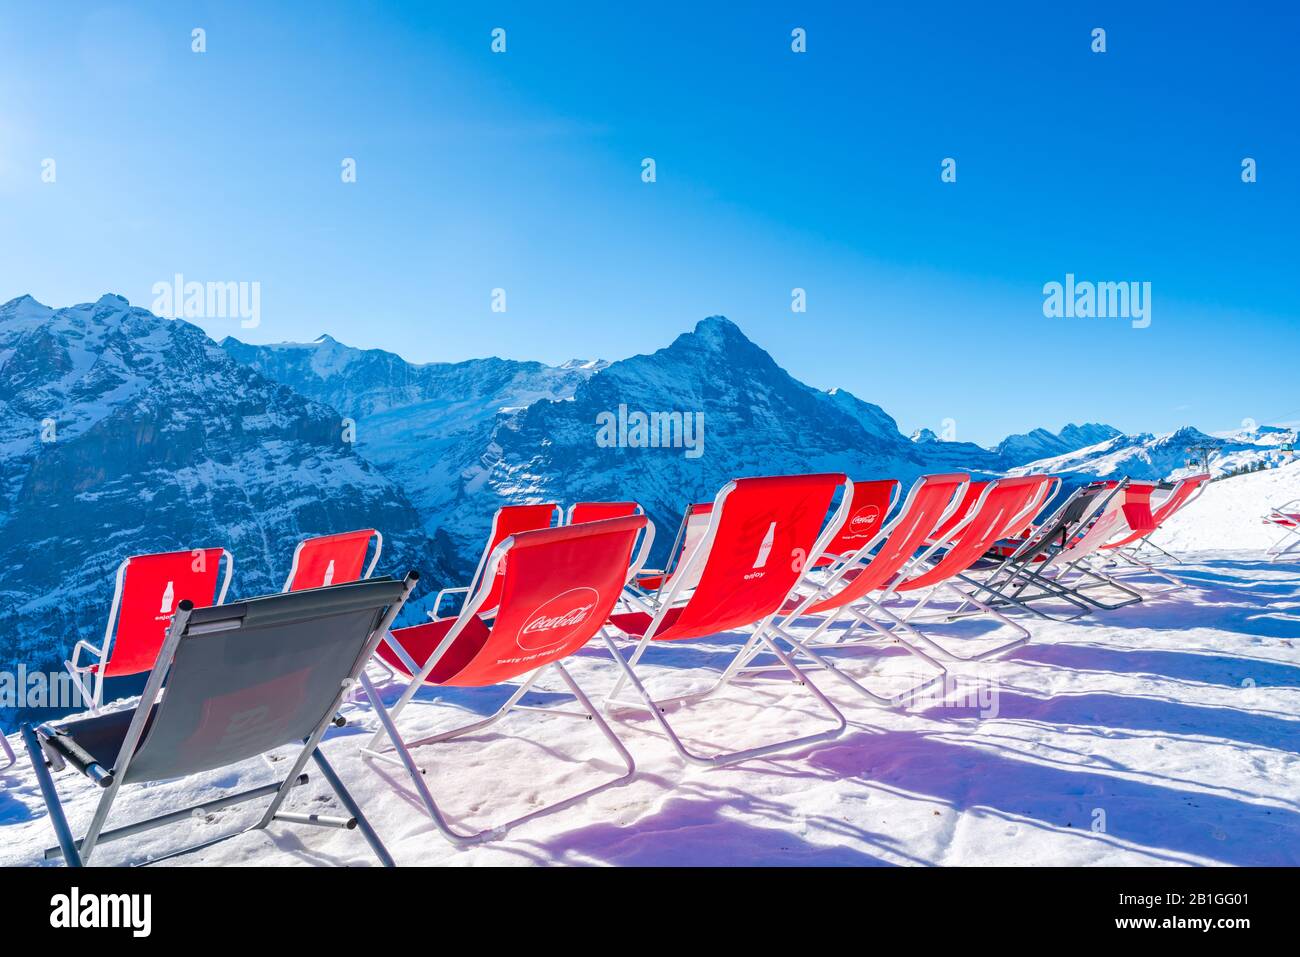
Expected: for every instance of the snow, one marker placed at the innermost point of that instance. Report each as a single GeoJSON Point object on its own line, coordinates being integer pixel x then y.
{"type": "Point", "coordinates": [1161, 733]}
{"type": "Point", "coordinates": [1230, 512]}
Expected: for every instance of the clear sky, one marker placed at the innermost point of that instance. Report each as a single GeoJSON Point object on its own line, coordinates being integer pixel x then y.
{"type": "Point", "coordinates": [775, 170]}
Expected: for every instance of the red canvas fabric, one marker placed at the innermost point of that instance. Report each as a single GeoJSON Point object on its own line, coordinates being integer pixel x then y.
{"type": "Point", "coordinates": [764, 538]}
{"type": "Point", "coordinates": [867, 514]}
{"type": "Point", "coordinates": [998, 514]}
{"type": "Point", "coordinates": [599, 511]}
{"type": "Point", "coordinates": [931, 495]}
{"type": "Point", "coordinates": [559, 587]}
{"type": "Point", "coordinates": [331, 559]}
{"type": "Point", "coordinates": [511, 520]}
{"type": "Point", "coordinates": [152, 587]}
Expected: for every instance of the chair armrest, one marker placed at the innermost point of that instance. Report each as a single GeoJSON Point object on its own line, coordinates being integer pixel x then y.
{"type": "Point", "coordinates": [74, 664]}
{"type": "Point", "coordinates": [438, 599]}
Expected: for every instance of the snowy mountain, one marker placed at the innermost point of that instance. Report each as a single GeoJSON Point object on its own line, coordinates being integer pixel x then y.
{"type": "Point", "coordinates": [122, 433]}
{"type": "Point", "coordinates": [1040, 443]}
{"type": "Point", "coordinates": [428, 426]}
{"type": "Point", "coordinates": [1166, 456]}
{"type": "Point", "coordinates": [464, 437]}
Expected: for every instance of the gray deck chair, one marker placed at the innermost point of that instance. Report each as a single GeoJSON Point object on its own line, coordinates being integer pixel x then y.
{"type": "Point", "coordinates": [242, 679]}
{"type": "Point", "coordinates": [1018, 578]}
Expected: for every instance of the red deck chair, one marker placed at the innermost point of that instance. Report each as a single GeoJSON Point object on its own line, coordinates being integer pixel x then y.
{"type": "Point", "coordinates": [871, 567]}
{"type": "Point", "coordinates": [557, 588]}
{"type": "Point", "coordinates": [333, 560]}
{"type": "Point", "coordinates": [1003, 509]}
{"type": "Point", "coordinates": [1182, 494]}
{"type": "Point", "coordinates": [508, 520]}
{"type": "Point", "coordinates": [146, 592]}
{"type": "Point", "coordinates": [871, 505]}
{"type": "Point", "coordinates": [762, 533]}
{"type": "Point", "coordinates": [599, 511]}
{"type": "Point", "coordinates": [1286, 517]}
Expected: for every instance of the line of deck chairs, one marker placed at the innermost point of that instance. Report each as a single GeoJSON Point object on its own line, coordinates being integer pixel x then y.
{"type": "Point", "coordinates": [782, 560]}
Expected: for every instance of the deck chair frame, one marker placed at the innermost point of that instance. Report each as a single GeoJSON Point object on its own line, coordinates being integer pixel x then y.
{"type": "Point", "coordinates": [78, 853]}
{"type": "Point", "coordinates": [761, 636]}
{"type": "Point", "coordinates": [1281, 518]}
{"type": "Point", "coordinates": [401, 748]}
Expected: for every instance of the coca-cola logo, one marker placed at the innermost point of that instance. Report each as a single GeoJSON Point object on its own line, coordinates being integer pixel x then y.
{"type": "Point", "coordinates": [558, 619]}
{"type": "Point", "coordinates": [864, 520]}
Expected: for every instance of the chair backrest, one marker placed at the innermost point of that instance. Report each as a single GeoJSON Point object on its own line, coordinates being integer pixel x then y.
{"type": "Point", "coordinates": [1001, 510]}
{"type": "Point", "coordinates": [694, 524]}
{"type": "Point", "coordinates": [559, 587]}
{"type": "Point", "coordinates": [253, 675]}
{"type": "Point", "coordinates": [598, 511]}
{"type": "Point", "coordinates": [510, 520]}
{"type": "Point", "coordinates": [872, 502]}
{"type": "Point", "coordinates": [1182, 493]}
{"type": "Point", "coordinates": [928, 505]}
{"type": "Point", "coordinates": [762, 533]}
{"type": "Point", "coordinates": [1108, 521]}
{"type": "Point", "coordinates": [147, 591]}
{"type": "Point", "coordinates": [333, 559]}
{"type": "Point", "coordinates": [969, 498]}
{"type": "Point", "coordinates": [1070, 519]}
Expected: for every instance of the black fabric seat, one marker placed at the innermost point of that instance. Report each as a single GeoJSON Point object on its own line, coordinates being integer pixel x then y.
{"type": "Point", "coordinates": [95, 740]}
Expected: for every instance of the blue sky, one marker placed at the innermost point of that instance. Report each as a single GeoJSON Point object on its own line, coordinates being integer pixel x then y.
{"type": "Point", "coordinates": [775, 170]}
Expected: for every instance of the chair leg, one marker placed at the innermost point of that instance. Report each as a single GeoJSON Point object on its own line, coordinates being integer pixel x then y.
{"type": "Point", "coordinates": [402, 749]}
{"type": "Point", "coordinates": [1023, 637]}
{"type": "Point", "coordinates": [900, 699]}
{"type": "Point", "coordinates": [51, 796]}
{"type": "Point", "coordinates": [657, 710]}
{"type": "Point", "coordinates": [346, 799]}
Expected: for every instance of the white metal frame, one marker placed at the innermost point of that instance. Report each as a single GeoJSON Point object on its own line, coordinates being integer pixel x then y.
{"type": "Point", "coordinates": [370, 568]}
{"type": "Point", "coordinates": [1290, 539]}
{"type": "Point", "coordinates": [759, 639]}
{"type": "Point", "coordinates": [568, 513]}
{"type": "Point", "coordinates": [402, 748]}
{"type": "Point", "coordinates": [478, 578]}
{"type": "Point", "coordinates": [100, 655]}
{"type": "Point", "coordinates": [900, 627]}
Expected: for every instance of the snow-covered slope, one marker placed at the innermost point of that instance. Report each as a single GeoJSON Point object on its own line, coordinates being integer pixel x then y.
{"type": "Point", "coordinates": [1229, 513]}
{"type": "Point", "coordinates": [122, 433]}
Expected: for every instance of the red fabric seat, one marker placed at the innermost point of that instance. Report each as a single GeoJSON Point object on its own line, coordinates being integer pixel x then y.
{"type": "Point", "coordinates": [558, 588]}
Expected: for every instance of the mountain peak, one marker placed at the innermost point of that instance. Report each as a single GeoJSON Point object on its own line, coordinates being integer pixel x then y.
{"type": "Point", "coordinates": [719, 330]}
{"type": "Point", "coordinates": [324, 339]}
{"type": "Point", "coordinates": [924, 435]}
